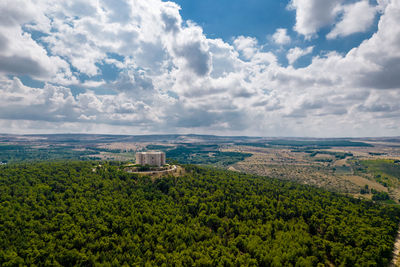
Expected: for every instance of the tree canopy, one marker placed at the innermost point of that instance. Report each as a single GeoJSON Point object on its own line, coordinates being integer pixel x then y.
{"type": "Point", "coordinates": [78, 213]}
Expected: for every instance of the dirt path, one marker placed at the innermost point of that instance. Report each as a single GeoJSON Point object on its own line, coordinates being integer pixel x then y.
{"type": "Point", "coordinates": [396, 251]}
{"type": "Point", "coordinates": [174, 168]}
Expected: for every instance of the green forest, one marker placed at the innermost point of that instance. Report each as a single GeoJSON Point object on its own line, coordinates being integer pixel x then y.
{"type": "Point", "coordinates": [84, 214]}
{"type": "Point", "coordinates": [26, 153]}
{"type": "Point", "coordinates": [201, 154]}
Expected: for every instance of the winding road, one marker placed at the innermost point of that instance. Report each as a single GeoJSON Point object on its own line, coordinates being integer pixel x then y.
{"type": "Point", "coordinates": [396, 251]}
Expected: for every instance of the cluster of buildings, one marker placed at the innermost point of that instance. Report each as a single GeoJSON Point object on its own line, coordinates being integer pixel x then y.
{"type": "Point", "coordinates": [152, 158]}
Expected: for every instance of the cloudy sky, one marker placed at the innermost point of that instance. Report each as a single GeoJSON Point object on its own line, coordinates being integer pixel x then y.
{"type": "Point", "coordinates": [321, 68]}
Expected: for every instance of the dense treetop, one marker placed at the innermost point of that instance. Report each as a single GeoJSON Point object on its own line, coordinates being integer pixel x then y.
{"type": "Point", "coordinates": [80, 214]}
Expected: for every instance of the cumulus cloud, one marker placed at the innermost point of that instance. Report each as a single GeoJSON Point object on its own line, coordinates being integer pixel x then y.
{"type": "Point", "coordinates": [281, 37]}
{"type": "Point", "coordinates": [171, 78]}
{"type": "Point", "coordinates": [197, 57]}
{"type": "Point", "coordinates": [296, 53]}
{"type": "Point", "coordinates": [311, 15]}
{"type": "Point", "coordinates": [346, 19]}
{"type": "Point", "coordinates": [20, 54]}
{"type": "Point", "coordinates": [379, 56]}
{"type": "Point", "coordinates": [246, 45]}
{"type": "Point", "coordinates": [357, 17]}
{"type": "Point", "coordinates": [58, 104]}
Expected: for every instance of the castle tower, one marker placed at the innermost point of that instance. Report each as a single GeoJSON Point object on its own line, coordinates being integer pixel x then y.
{"type": "Point", "coordinates": [153, 158]}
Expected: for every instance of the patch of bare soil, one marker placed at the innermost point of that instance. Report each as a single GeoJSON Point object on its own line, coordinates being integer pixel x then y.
{"type": "Point", "coordinates": [310, 175]}
{"type": "Point", "coordinates": [285, 164]}
{"type": "Point", "coordinates": [341, 162]}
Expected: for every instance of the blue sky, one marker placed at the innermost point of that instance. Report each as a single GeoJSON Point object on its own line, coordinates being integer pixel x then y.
{"type": "Point", "coordinates": [228, 19]}
{"type": "Point", "coordinates": [262, 68]}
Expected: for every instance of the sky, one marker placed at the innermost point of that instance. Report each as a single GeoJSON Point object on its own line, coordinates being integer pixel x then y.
{"type": "Point", "coordinates": [312, 68]}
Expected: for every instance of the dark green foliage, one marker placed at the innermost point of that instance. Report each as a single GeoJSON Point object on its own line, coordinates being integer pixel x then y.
{"type": "Point", "coordinates": [69, 214]}
{"type": "Point", "coordinates": [376, 195]}
{"type": "Point", "coordinates": [338, 155]}
{"type": "Point", "coordinates": [10, 147]}
{"type": "Point", "coordinates": [157, 147]}
{"type": "Point", "coordinates": [364, 190]}
{"type": "Point", "coordinates": [323, 160]}
{"type": "Point", "coordinates": [376, 153]}
{"type": "Point", "coordinates": [143, 168]}
{"type": "Point", "coordinates": [98, 149]}
{"type": "Point", "coordinates": [204, 154]}
{"type": "Point", "coordinates": [22, 153]}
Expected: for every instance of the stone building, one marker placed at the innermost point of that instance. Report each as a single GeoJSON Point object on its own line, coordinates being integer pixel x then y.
{"type": "Point", "coordinates": [154, 158]}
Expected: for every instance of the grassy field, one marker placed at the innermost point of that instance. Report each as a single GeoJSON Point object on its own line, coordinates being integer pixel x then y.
{"type": "Point", "coordinates": [383, 167]}
{"type": "Point", "coordinates": [384, 171]}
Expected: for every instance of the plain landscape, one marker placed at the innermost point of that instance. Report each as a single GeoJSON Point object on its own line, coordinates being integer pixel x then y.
{"type": "Point", "coordinates": [358, 167]}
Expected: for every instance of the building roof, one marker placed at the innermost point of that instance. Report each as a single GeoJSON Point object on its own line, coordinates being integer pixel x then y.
{"type": "Point", "coordinates": [151, 152]}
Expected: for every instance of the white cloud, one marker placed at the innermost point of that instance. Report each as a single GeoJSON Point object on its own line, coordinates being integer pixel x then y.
{"type": "Point", "coordinates": [296, 53]}
{"type": "Point", "coordinates": [346, 19]}
{"type": "Point", "coordinates": [281, 37]}
{"type": "Point", "coordinates": [19, 53]}
{"type": "Point", "coordinates": [311, 15]}
{"type": "Point", "coordinates": [56, 103]}
{"type": "Point", "coordinates": [172, 78]}
{"type": "Point", "coordinates": [246, 45]}
{"type": "Point", "coordinates": [191, 46]}
{"type": "Point", "coordinates": [357, 17]}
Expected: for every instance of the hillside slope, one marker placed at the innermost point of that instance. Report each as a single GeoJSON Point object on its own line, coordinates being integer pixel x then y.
{"type": "Point", "coordinates": [81, 214]}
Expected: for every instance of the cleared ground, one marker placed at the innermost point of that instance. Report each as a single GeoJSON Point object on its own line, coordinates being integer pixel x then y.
{"type": "Point", "coordinates": [337, 169]}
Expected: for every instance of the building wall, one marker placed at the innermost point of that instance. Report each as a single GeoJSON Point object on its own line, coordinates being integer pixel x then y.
{"type": "Point", "coordinates": [150, 158]}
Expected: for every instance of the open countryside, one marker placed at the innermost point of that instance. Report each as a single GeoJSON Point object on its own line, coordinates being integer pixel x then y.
{"type": "Point", "coordinates": [347, 209]}
{"type": "Point", "coordinates": [200, 133]}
